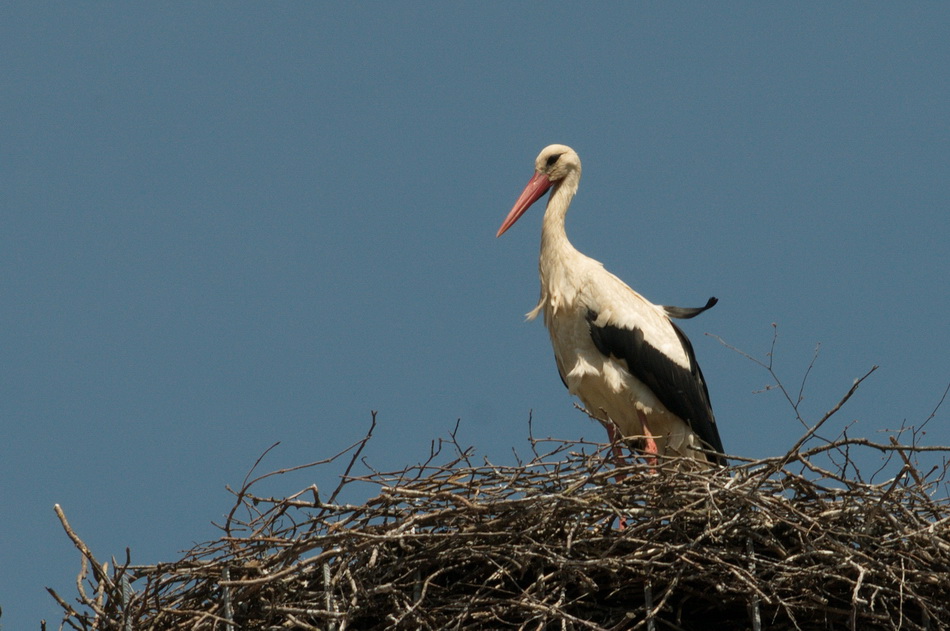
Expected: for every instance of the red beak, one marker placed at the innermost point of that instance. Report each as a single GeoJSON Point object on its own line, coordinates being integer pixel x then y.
{"type": "Point", "coordinates": [537, 186]}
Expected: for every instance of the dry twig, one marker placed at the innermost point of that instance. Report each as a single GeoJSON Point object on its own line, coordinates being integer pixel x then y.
{"type": "Point", "coordinates": [799, 541]}
{"type": "Point", "coordinates": [454, 546]}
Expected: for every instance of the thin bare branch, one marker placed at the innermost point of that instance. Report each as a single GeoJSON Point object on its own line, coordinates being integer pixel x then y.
{"type": "Point", "coordinates": [452, 545]}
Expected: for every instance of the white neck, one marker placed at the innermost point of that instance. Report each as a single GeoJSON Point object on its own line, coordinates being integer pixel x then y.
{"type": "Point", "coordinates": [558, 256]}
{"type": "Point", "coordinates": [553, 234]}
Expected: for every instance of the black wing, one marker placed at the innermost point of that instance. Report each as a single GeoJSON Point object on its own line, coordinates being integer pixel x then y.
{"type": "Point", "coordinates": [682, 390]}
{"type": "Point", "coordinates": [685, 313]}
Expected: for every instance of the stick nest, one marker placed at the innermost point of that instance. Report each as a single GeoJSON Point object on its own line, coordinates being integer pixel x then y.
{"type": "Point", "coordinates": [791, 542]}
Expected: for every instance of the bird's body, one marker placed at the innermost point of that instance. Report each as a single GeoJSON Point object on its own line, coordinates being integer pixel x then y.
{"type": "Point", "coordinates": [619, 353]}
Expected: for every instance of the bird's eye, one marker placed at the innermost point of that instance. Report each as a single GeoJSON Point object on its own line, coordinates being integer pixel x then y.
{"type": "Point", "coordinates": [553, 159]}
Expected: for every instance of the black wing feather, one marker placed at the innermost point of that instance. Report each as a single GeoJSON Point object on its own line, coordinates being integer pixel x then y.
{"type": "Point", "coordinates": [682, 390]}
{"type": "Point", "coordinates": [685, 313]}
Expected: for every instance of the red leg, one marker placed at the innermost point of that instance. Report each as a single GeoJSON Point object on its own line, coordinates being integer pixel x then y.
{"type": "Point", "coordinates": [614, 437]}
{"type": "Point", "coordinates": [619, 461]}
{"type": "Point", "coordinates": [649, 443]}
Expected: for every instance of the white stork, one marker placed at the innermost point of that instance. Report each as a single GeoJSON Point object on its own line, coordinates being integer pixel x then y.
{"type": "Point", "coordinates": [633, 369]}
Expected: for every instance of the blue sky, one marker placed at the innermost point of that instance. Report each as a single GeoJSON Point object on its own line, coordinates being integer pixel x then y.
{"type": "Point", "coordinates": [223, 226]}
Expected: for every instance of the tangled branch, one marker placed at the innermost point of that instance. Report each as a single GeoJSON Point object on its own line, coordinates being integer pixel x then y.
{"type": "Point", "coordinates": [804, 540]}
{"type": "Point", "coordinates": [449, 545]}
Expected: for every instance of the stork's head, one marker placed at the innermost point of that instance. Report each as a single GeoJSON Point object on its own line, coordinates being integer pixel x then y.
{"type": "Point", "coordinates": [554, 164]}
{"type": "Point", "coordinates": [556, 161]}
